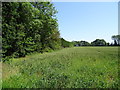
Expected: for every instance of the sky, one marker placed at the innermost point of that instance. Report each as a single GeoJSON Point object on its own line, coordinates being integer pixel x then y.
{"type": "Point", "coordinates": [87, 20]}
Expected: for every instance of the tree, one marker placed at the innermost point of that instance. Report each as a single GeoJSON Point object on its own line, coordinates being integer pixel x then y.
{"type": "Point", "coordinates": [16, 18]}
{"type": "Point", "coordinates": [50, 36]}
{"type": "Point", "coordinates": [108, 44]}
{"type": "Point", "coordinates": [76, 43]}
{"type": "Point", "coordinates": [84, 43]}
{"type": "Point", "coordinates": [116, 39]}
{"type": "Point", "coordinates": [81, 43]}
{"type": "Point", "coordinates": [65, 43]}
{"type": "Point", "coordinates": [99, 42]}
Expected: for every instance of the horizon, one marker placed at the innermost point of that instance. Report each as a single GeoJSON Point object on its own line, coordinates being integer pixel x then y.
{"type": "Point", "coordinates": [87, 21]}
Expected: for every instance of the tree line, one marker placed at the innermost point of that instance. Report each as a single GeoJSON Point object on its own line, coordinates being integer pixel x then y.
{"type": "Point", "coordinates": [97, 42]}
{"type": "Point", "coordinates": [29, 27]}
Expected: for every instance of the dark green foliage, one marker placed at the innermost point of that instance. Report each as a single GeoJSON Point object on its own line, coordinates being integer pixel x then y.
{"type": "Point", "coordinates": [81, 43]}
{"type": "Point", "coordinates": [116, 39]}
{"type": "Point", "coordinates": [65, 43]}
{"type": "Point", "coordinates": [76, 43]}
{"type": "Point", "coordinates": [99, 42]}
{"type": "Point", "coordinates": [84, 43]}
{"type": "Point", "coordinates": [29, 27]}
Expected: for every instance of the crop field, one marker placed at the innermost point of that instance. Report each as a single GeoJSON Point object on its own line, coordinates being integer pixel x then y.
{"type": "Point", "coordinates": [78, 67]}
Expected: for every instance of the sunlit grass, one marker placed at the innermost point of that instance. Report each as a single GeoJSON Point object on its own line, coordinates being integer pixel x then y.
{"type": "Point", "coordinates": [81, 67]}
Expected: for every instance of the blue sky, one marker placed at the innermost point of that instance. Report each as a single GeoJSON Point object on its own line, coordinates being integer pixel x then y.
{"type": "Point", "coordinates": [87, 20]}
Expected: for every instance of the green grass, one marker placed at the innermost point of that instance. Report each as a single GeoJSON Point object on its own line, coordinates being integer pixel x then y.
{"type": "Point", "coordinates": [80, 67]}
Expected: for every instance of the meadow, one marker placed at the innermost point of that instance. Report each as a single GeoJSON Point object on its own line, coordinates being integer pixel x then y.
{"type": "Point", "coordinates": [77, 67]}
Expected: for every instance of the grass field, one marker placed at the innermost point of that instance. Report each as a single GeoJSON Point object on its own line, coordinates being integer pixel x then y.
{"type": "Point", "coordinates": [79, 67]}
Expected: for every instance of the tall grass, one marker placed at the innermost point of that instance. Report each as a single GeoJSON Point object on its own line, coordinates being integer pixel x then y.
{"type": "Point", "coordinates": [80, 67]}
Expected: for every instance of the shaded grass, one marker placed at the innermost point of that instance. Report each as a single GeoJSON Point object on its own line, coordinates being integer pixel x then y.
{"type": "Point", "coordinates": [80, 67]}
